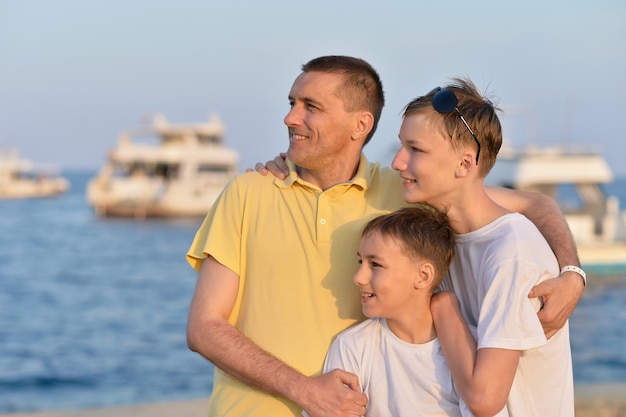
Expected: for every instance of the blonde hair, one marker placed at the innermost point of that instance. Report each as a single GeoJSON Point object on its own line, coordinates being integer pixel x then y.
{"type": "Point", "coordinates": [478, 111]}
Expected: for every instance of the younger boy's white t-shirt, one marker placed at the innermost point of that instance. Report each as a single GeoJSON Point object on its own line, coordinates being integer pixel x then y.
{"type": "Point", "coordinates": [399, 378]}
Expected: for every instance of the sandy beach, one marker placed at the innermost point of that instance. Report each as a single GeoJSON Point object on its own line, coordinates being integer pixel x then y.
{"type": "Point", "coordinates": [601, 400]}
{"type": "Point", "coordinates": [598, 400]}
{"type": "Point", "coordinates": [189, 408]}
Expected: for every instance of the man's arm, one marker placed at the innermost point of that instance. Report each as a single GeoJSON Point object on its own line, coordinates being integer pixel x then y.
{"type": "Point", "coordinates": [484, 377]}
{"type": "Point", "coordinates": [560, 295]}
{"type": "Point", "coordinates": [210, 335]}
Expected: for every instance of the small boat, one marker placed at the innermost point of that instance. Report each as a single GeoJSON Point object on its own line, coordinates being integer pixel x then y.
{"type": "Point", "coordinates": [164, 170]}
{"type": "Point", "coordinates": [576, 179]}
{"type": "Point", "coordinates": [21, 178]}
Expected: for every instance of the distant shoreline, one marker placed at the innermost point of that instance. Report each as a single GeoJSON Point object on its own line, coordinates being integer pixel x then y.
{"type": "Point", "coordinates": [95, 169]}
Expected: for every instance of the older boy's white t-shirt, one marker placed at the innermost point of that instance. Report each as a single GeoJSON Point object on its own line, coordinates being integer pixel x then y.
{"type": "Point", "coordinates": [492, 273]}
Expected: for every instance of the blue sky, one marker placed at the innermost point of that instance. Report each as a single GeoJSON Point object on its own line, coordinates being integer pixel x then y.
{"type": "Point", "coordinates": [73, 73]}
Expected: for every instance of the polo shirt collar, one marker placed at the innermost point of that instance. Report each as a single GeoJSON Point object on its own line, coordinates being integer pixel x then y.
{"type": "Point", "coordinates": [362, 179]}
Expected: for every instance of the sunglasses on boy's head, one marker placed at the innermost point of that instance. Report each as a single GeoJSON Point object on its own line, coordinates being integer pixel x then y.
{"type": "Point", "coordinates": [445, 101]}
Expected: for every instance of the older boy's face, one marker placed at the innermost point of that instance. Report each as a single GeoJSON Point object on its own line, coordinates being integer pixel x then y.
{"type": "Point", "coordinates": [386, 278]}
{"type": "Point", "coordinates": [426, 161]}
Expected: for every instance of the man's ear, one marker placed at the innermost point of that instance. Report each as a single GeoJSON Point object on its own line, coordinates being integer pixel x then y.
{"type": "Point", "coordinates": [425, 276]}
{"type": "Point", "coordinates": [363, 126]}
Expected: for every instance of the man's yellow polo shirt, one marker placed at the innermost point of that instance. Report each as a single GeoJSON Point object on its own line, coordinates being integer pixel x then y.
{"type": "Point", "coordinates": [294, 248]}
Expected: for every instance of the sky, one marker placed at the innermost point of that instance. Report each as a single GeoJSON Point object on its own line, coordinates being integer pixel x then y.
{"type": "Point", "coordinates": [74, 74]}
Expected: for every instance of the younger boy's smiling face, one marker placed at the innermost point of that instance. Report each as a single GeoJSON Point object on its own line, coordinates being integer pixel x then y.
{"type": "Point", "coordinates": [386, 278]}
{"type": "Point", "coordinates": [426, 161]}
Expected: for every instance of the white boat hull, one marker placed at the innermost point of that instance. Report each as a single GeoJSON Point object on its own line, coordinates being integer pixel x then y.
{"type": "Point", "coordinates": [181, 175]}
{"type": "Point", "coordinates": [596, 222]}
{"type": "Point", "coordinates": [33, 188]}
{"type": "Point", "coordinates": [121, 198]}
{"type": "Point", "coordinates": [602, 255]}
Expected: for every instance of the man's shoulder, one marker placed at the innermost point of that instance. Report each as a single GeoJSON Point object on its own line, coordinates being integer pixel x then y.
{"type": "Point", "coordinates": [376, 169]}
{"type": "Point", "coordinates": [384, 188]}
{"type": "Point", "coordinates": [386, 177]}
{"type": "Point", "coordinates": [254, 177]}
{"type": "Point", "coordinates": [251, 181]}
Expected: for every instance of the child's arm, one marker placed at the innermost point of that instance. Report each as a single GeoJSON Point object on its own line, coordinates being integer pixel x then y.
{"type": "Point", "coordinates": [483, 378]}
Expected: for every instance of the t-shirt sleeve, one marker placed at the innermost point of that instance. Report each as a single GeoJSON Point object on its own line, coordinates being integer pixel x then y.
{"type": "Point", "coordinates": [341, 356]}
{"type": "Point", "coordinates": [220, 234]}
{"type": "Point", "coordinates": [508, 318]}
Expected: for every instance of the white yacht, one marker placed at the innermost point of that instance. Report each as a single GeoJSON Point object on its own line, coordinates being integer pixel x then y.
{"type": "Point", "coordinates": [576, 179]}
{"type": "Point", "coordinates": [178, 172]}
{"type": "Point", "coordinates": [21, 178]}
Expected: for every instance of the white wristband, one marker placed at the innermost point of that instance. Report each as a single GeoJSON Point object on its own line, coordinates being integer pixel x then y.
{"type": "Point", "coordinates": [577, 270]}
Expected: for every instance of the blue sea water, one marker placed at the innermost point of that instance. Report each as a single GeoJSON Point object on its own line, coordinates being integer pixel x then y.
{"type": "Point", "coordinates": [93, 311]}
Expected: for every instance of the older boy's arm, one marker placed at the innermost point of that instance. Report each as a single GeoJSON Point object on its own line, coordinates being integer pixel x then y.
{"type": "Point", "coordinates": [210, 334]}
{"type": "Point", "coordinates": [560, 295]}
{"type": "Point", "coordinates": [484, 377]}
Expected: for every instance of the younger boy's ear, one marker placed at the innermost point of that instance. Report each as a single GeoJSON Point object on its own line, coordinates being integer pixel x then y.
{"type": "Point", "coordinates": [425, 276]}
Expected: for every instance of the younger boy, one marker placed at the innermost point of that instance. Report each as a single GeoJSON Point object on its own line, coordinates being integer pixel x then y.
{"type": "Point", "coordinates": [403, 257]}
{"type": "Point", "coordinates": [450, 139]}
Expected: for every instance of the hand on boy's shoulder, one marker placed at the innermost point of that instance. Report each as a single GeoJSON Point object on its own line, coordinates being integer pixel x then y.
{"type": "Point", "coordinates": [560, 297]}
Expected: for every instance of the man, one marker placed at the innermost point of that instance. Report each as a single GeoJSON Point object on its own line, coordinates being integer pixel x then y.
{"type": "Point", "coordinates": [275, 256]}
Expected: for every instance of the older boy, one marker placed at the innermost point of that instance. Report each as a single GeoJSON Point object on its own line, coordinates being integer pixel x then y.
{"type": "Point", "coordinates": [450, 138]}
